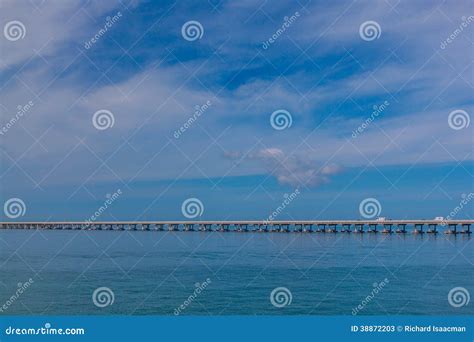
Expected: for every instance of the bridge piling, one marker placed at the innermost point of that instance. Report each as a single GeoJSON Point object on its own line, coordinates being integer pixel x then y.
{"type": "Point", "coordinates": [321, 228]}
{"type": "Point", "coordinates": [452, 229]}
{"type": "Point", "coordinates": [359, 228]}
{"type": "Point", "coordinates": [466, 228]}
{"type": "Point", "coordinates": [402, 228]}
{"type": "Point", "coordinates": [418, 229]}
{"type": "Point", "coordinates": [372, 228]}
{"type": "Point", "coordinates": [432, 228]}
{"type": "Point", "coordinates": [387, 228]}
{"type": "Point", "coordinates": [346, 228]}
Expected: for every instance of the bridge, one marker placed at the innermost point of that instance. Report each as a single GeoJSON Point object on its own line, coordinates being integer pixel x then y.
{"type": "Point", "coordinates": [383, 226]}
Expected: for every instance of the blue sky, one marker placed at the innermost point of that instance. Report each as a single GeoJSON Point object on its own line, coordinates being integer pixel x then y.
{"type": "Point", "coordinates": [327, 75]}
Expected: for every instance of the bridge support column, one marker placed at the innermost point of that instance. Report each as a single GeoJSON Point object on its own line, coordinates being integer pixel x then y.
{"type": "Point", "coordinates": [332, 228]}
{"type": "Point", "coordinates": [466, 228]}
{"type": "Point", "coordinates": [418, 228]}
{"type": "Point", "coordinates": [242, 228]}
{"type": "Point", "coordinates": [298, 228]}
{"type": "Point", "coordinates": [308, 228]}
{"type": "Point", "coordinates": [359, 228]}
{"type": "Point", "coordinates": [188, 227]}
{"type": "Point", "coordinates": [173, 227]}
{"type": "Point", "coordinates": [373, 228]}
{"type": "Point", "coordinates": [432, 228]}
{"type": "Point", "coordinates": [452, 229]}
{"type": "Point", "coordinates": [321, 228]}
{"type": "Point", "coordinates": [346, 228]}
{"type": "Point", "coordinates": [387, 228]}
{"type": "Point", "coordinates": [402, 228]}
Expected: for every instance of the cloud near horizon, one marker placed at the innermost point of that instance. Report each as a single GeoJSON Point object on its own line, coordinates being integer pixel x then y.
{"type": "Point", "coordinates": [293, 170]}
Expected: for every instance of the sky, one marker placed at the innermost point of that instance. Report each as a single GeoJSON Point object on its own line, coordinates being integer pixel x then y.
{"type": "Point", "coordinates": [240, 108]}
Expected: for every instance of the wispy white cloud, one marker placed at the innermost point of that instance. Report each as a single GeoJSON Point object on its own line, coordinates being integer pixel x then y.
{"type": "Point", "coordinates": [294, 170]}
{"type": "Point", "coordinates": [50, 26]}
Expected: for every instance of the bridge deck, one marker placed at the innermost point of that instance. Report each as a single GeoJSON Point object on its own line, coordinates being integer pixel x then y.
{"type": "Point", "coordinates": [320, 226]}
{"type": "Point", "coordinates": [218, 222]}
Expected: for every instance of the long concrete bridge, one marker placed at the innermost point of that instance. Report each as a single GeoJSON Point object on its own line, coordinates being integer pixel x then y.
{"type": "Point", "coordinates": [328, 226]}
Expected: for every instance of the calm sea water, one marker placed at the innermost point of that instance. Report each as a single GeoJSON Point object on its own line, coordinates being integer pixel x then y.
{"type": "Point", "coordinates": [157, 272]}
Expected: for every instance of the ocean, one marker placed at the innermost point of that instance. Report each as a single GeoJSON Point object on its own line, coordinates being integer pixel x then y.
{"type": "Point", "coordinates": [230, 273]}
